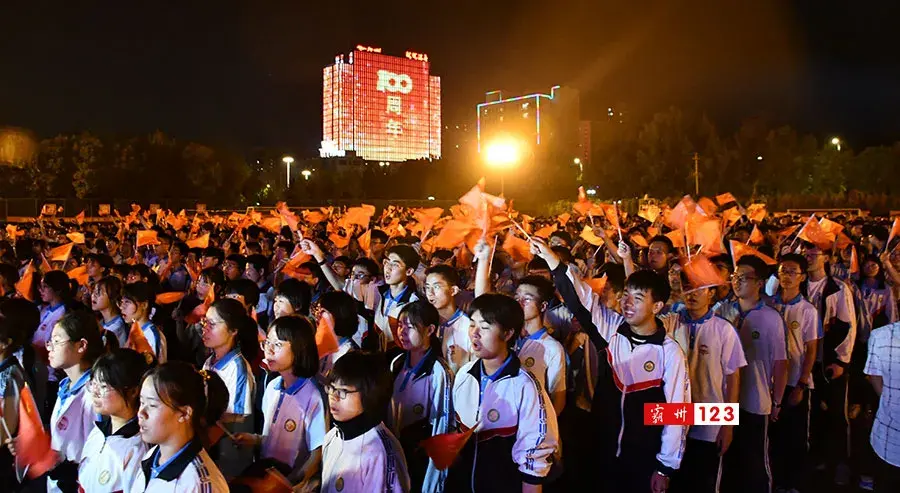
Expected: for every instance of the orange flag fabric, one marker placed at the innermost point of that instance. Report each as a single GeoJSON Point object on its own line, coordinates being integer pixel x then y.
{"type": "Point", "coordinates": [701, 273]}
{"type": "Point", "coordinates": [583, 206]}
{"type": "Point", "coordinates": [453, 234]}
{"type": "Point", "coordinates": [79, 218]}
{"type": "Point", "coordinates": [60, 253]}
{"type": "Point", "coordinates": [365, 241]}
{"type": "Point", "coordinates": [813, 233]}
{"type": "Point", "coordinates": [138, 341]}
{"type": "Point", "coordinates": [146, 237]}
{"type": "Point", "coordinates": [443, 449]}
{"type": "Point", "coordinates": [326, 339]}
{"type": "Point", "coordinates": [639, 240]}
{"type": "Point", "coordinates": [23, 287]}
{"type": "Point", "coordinates": [33, 450]}
{"type": "Point", "coordinates": [756, 238]}
{"type": "Point", "coordinates": [12, 231]}
{"type": "Point", "coordinates": [731, 216]}
{"type": "Point", "coordinates": [725, 198]}
{"type": "Point", "coordinates": [677, 238]}
{"type": "Point", "coordinates": [199, 242]}
{"type": "Point", "coordinates": [587, 234]}
{"type": "Point", "coordinates": [681, 212]}
{"type": "Point", "coordinates": [895, 230]}
{"type": "Point", "coordinates": [359, 215]}
{"type": "Point", "coordinates": [169, 298]}
{"type": "Point", "coordinates": [546, 231]}
{"type": "Point", "coordinates": [756, 212]}
{"type": "Point", "coordinates": [854, 262]}
{"type": "Point", "coordinates": [517, 248]}
{"type": "Point", "coordinates": [739, 249]}
{"type": "Point", "coordinates": [79, 274]}
{"type": "Point", "coordinates": [563, 219]}
{"type": "Point", "coordinates": [75, 237]}
{"type": "Point", "coordinates": [597, 284]}
{"type": "Point", "coordinates": [708, 206]}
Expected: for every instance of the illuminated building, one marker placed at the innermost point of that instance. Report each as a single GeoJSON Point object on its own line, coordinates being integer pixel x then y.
{"type": "Point", "coordinates": [548, 123]}
{"type": "Point", "coordinates": [383, 108]}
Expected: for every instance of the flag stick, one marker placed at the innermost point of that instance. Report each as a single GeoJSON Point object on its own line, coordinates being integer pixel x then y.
{"type": "Point", "coordinates": [5, 426]}
{"type": "Point", "coordinates": [618, 220]}
{"type": "Point", "coordinates": [229, 434]}
{"type": "Point", "coordinates": [520, 228]}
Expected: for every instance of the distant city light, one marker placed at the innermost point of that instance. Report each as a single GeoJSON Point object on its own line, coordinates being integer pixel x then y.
{"type": "Point", "coordinates": [431, 197]}
{"type": "Point", "coordinates": [759, 158]}
{"type": "Point", "coordinates": [591, 191]}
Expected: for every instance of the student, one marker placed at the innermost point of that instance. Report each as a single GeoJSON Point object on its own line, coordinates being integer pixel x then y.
{"type": "Point", "coordinates": [790, 434]}
{"type": "Point", "coordinates": [190, 335]}
{"type": "Point", "coordinates": [173, 276]}
{"type": "Point", "coordinates": [12, 379]}
{"type": "Point", "coordinates": [538, 352]}
{"type": "Point", "coordinates": [516, 442]}
{"type": "Point", "coordinates": [105, 299]}
{"type": "Point", "coordinates": [113, 451]}
{"type": "Point", "coordinates": [257, 271]}
{"type": "Point", "coordinates": [74, 345]}
{"type": "Point", "coordinates": [878, 307]}
{"type": "Point", "coordinates": [399, 265]}
{"type": "Point", "coordinates": [234, 267]}
{"type": "Point", "coordinates": [641, 365]}
{"type": "Point", "coordinates": [295, 417]}
{"type": "Point", "coordinates": [660, 254]}
{"type": "Point", "coordinates": [56, 296]}
{"type": "Point", "coordinates": [291, 298]}
{"type": "Point", "coordinates": [360, 453]}
{"type": "Point", "coordinates": [423, 383]}
{"type": "Point", "coordinates": [177, 404]}
{"type": "Point", "coordinates": [762, 335]}
{"type": "Point", "coordinates": [714, 355]}
{"type": "Point", "coordinates": [212, 257]}
{"type": "Point", "coordinates": [441, 290]}
{"type": "Point", "coordinates": [135, 308]}
{"type": "Point", "coordinates": [378, 241]}
{"type": "Point", "coordinates": [227, 332]}
{"type": "Point", "coordinates": [883, 370]}
{"type": "Point", "coordinates": [341, 311]}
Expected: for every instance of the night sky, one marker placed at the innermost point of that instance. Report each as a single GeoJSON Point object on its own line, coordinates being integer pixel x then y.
{"type": "Point", "coordinates": [250, 73]}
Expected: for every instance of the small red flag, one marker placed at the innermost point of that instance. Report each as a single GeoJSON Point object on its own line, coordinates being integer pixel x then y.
{"type": "Point", "coordinates": [895, 230]}
{"type": "Point", "coordinates": [701, 273]}
{"type": "Point", "coordinates": [725, 198]}
{"type": "Point", "coordinates": [444, 448]}
{"type": "Point", "coordinates": [169, 298]}
{"type": "Point", "coordinates": [854, 262]}
{"type": "Point", "coordinates": [79, 218]}
{"type": "Point", "coordinates": [32, 442]}
{"type": "Point", "coordinates": [60, 253]}
{"type": "Point", "coordinates": [739, 249]}
{"type": "Point", "coordinates": [137, 341]}
{"type": "Point", "coordinates": [326, 340]}
{"type": "Point", "coordinates": [756, 237]}
{"type": "Point", "coordinates": [23, 287]}
{"type": "Point", "coordinates": [199, 242]}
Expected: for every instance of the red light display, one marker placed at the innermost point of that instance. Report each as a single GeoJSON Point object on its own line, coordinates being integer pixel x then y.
{"type": "Point", "coordinates": [382, 107]}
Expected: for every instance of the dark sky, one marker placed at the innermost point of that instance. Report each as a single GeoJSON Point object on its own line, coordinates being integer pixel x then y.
{"type": "Point", "coordinates": [249, 73]}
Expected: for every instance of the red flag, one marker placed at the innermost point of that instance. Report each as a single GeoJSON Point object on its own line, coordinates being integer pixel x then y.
{"type": "Point", "coordinates": [444, 448]}
{"type": "Point", "coordinates": [23, 287]}
{"type": "Point", "coordinates": [701, 273]}
{"type": "Point", "coordinates": [739, 249]}
{"type": "Point", "coordinates": [359, 215]}
{"type": "Point", "coordinates": [705, 232]}
{"type": "Point", "coordinates": [60, 253]}
{"type": "Point", "coordinates": [138, 341]}
{"type": "Point", "coordinates": [842, 241]}
{"type": "Point", "coordinates": [517, 248]}
{"type": "Point", "coordinates": [79, 274]}
{"type": "Point", "coordinates": [76, 237]}
{"type": "Point", "coordinates": [731, 216]}
{"type": "Point", "coordinates": [830, 226]}
{"type": "Point", "coordinates": [756, 238]}
{"type": "Point", "coordinates": [453, 234]}
{"type": "Point", "coordinates": [32, 442]}
{"type": "Point", "coordinates": [289, 217]}
{"type": "Point", "coordinates": [725, 198]}
{"type": "Point", "coordinates": [854, 262]}
{"type": "Point", "coordinates": [563, 219]}
{"type": "Point", "coordinates": [597, 284]}
{"type": "Point", "coordinates": [79, 218]}
{"type": "Point", "coordinates": [169, 298]}
{"type": "Point", "coordinates": [146, 237]}
{"type": "Point", "coordinates": [587, 234]}
{"type": "Point", "coordinates": [708, 206]}
{"type": "Point", "coordinates": [677, 238]}
{"type": "Point", "coordinates": [681, 212]}
{"type": "Point", "coordinates": [365, 241]}
{"type": "Point", "coordinates": [546, 231]}
{"type": "Point", "coordinates": [583, 206]}
{"type": "Point", "coordinates": [787, 231]}
{"type": "Point", "coordinates": [814, 234]}
{"type": "Point", "coordinates": [326, 340]}
{"type": "Point", "coordinates": [639, 240]}
{"type": "Point", "coordinates": [895, 230]}
{"type": "Point", "coordinates": [340, 241]}
{"type": "Point", "coordinates": [199, 242]}
{"type": "Point", "coordinates": [756, 212]}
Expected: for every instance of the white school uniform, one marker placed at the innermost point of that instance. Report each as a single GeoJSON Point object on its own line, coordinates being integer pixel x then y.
{"type": "Point", "coordinates": [454, 333]}
{"type": "Point", "coordinates": [189, 471]}
{"type": "Point", "coordinates": [516, 422]}
{"type": "Point", "coordinates": [234, 370]}
{"type": "Point", "coordinates": [157, 341]}
{"type": "Point", "coordinates": [762, 336]}
{"type": "Point", "coordinates": [327, 362]}
{"type": "Point", "coordinates": [71, 422]}
{"type": "Point", "coordinates": [50, 315]}
{"type": "Point", "coordinates": [421, 408]}
{"type": "Point", "coordinates": [372, 461]}
{"type": "Point", "coordinates": [118, 327]}
{"type": "Point", "coordinates": [545, 358]}
{"type": "Point", "coordinates": [802, 325]}
{"type": "Point", "coordinates": [112, 460]}
{"type": "Point", "coordinates": [387, 311]}
{"type": "Point", "coordinates": [295, 421]}
{"type": "Point", "coordinates": [714, 351]}
{"type": "Point", "coordinates": [12, 379]}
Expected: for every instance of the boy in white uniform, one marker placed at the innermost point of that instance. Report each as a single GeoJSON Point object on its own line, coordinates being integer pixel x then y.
{"type": "Point", "coordinates": [538, 352]}
{"type": "Point", "coordinates": [441, 289]}
{"type": "Point", "coordinates": [398, 290]}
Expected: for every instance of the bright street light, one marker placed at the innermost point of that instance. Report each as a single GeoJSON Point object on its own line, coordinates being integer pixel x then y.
{"type": "Point", "coordinates": [759, 158]}
{"type": "Point", "coordinates": [836, 142]}
{"type": "Point", "coordinates": [591, 191]}
{"type": "Point", "coordinates": [288, 160]}
{"type": "Point", "coordinates": [431, 197]}
{"type": "Point", "coordinates": [500, 154]}
{"type": "Point", "coordinates": [577, 161]}
{"type": "Point", "coordinates": [306, 173]}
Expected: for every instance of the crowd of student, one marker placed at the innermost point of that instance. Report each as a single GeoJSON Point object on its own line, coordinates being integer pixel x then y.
{"type": "Point", "coordinates": [292, 361]}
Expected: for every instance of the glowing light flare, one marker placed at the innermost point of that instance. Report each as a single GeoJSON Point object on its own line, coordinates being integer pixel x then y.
{"type": "Point", "coordinates": [502, 153]}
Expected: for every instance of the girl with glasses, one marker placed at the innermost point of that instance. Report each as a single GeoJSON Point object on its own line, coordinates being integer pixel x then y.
{"type": "Point", "coordinates": [113, 451]}
{"type": "Point", "coordinates": [293, 405]}
{"type": "Point", "coordinates": [360, 453]}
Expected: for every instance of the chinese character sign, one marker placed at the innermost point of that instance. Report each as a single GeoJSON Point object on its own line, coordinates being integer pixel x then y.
{"type": "Point", "coordinates": [687, 414]}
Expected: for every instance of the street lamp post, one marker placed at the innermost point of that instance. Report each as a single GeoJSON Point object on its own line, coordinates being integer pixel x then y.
{"type": "Point", "coordinates": [836, 142]}
{"type": "Point", "coordinates": [577, 162]}
{"type": "Point", "coordinates": [288, 160]}
{"type": "Point", "coordinates": [501, 154]}
{"type": "Point", "coordinates": [306, 174]}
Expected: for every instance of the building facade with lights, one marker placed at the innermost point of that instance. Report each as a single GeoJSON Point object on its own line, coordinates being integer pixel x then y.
{"type": "Point", "coordinates": [548, 124]}
{"type": "Point", "coordinates": [384, 108]}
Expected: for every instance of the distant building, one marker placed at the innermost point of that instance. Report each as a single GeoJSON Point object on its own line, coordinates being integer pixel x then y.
{"type": "Point", "coordinates": [548, 123]}
{"type": "Point", "coordinates": [383, 108]}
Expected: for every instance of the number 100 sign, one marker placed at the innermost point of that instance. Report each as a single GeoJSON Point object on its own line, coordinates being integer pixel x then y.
{"type": "Point", "coordinates": [695, 414]}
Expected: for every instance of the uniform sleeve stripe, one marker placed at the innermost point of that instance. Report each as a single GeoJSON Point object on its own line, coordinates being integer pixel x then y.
{"type": "Point", "coordinates": [240, 386]}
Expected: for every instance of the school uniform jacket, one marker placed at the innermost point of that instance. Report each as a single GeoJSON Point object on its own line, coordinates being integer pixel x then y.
{"type": "Point", "coordinates": [802, 325]}
{"type": "Point", "coordinates": [372, 461]}
{"type": "Point", "coordinates": [838, 317]}
{"type": "Point", "coordinates": [327, 362]}
{"type": "Point", "coordinates": [633, 371]}
{"type": "Point", "coordinates": [191, 472]}
{"type": "Point", "coordinates": [518, 438]}
{"type": "Point", "coordinates": [112, 461]}
{"type": "Point", "coordinates": [454, 333]}
{"type": "Point", "coordinates": [238, 377]}
{"type": "Point", "coordinates": [421, 407]}
{"type": "Point", "coordinates": [388, 310]}
{"type": "Point", "coordinates": [71, 422]}
{"type": "Point", "coordinates": [295, 421]}
{"type": "Point", "coordinates": [545, 358]}
{"type": "Point", "coordinates": [714, 352]}
{"type": "Point", "coordinates": [118, 327]}
{"type": "Point", "coordinates": [157, 341]}
{"type": "Point", "coordinates": [877, 308]}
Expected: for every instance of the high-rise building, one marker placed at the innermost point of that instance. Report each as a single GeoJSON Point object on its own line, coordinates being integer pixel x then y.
{"type": "Point", "coordinates": [384, 108]}
{"type": "Point", "coordinates": [541, 121]}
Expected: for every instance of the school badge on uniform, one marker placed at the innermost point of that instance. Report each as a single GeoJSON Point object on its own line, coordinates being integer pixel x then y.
{"type": "Point", "coordinates": [755, 334]}
{"type": "Point", "coordinates": [339, 484]}
{"type": "Point", "coordinates": [529, 362]}
{"type": "Point", "coordinates": [418, 409]}
{"type": "Point", "coordinates": [795, 325]}
{"type": "Point", "coordinates": [63, 424]}
{"type": "Point", "coordinates": [493, 415]}
{"type": "Point", "coordinates": [649, 366]}
{"type": "Point", "coordinates": [104, 477]}
{"type": "Point", "coordinates": [290, 425]}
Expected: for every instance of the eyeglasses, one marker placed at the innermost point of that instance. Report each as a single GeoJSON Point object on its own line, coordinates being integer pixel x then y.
{"type": "Point", "coordinates": [525, 299]}
{"type": "Point", "coordinates": [743, 278]}
{"type": "Point", "coordinates": [359, 275]}
{"type": "Point", "coordinates": [99, 389]}
{"type": "Point", "coordinates": [789, 272]}
{"type": "Point", "coordinates": [431, 288]}
{"type": "Point", "coordinates": [273, 346]}
{"type": "Point", "coordinates": [339, 394]}
{"type": "Point", "coordinates": [50, 344]}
